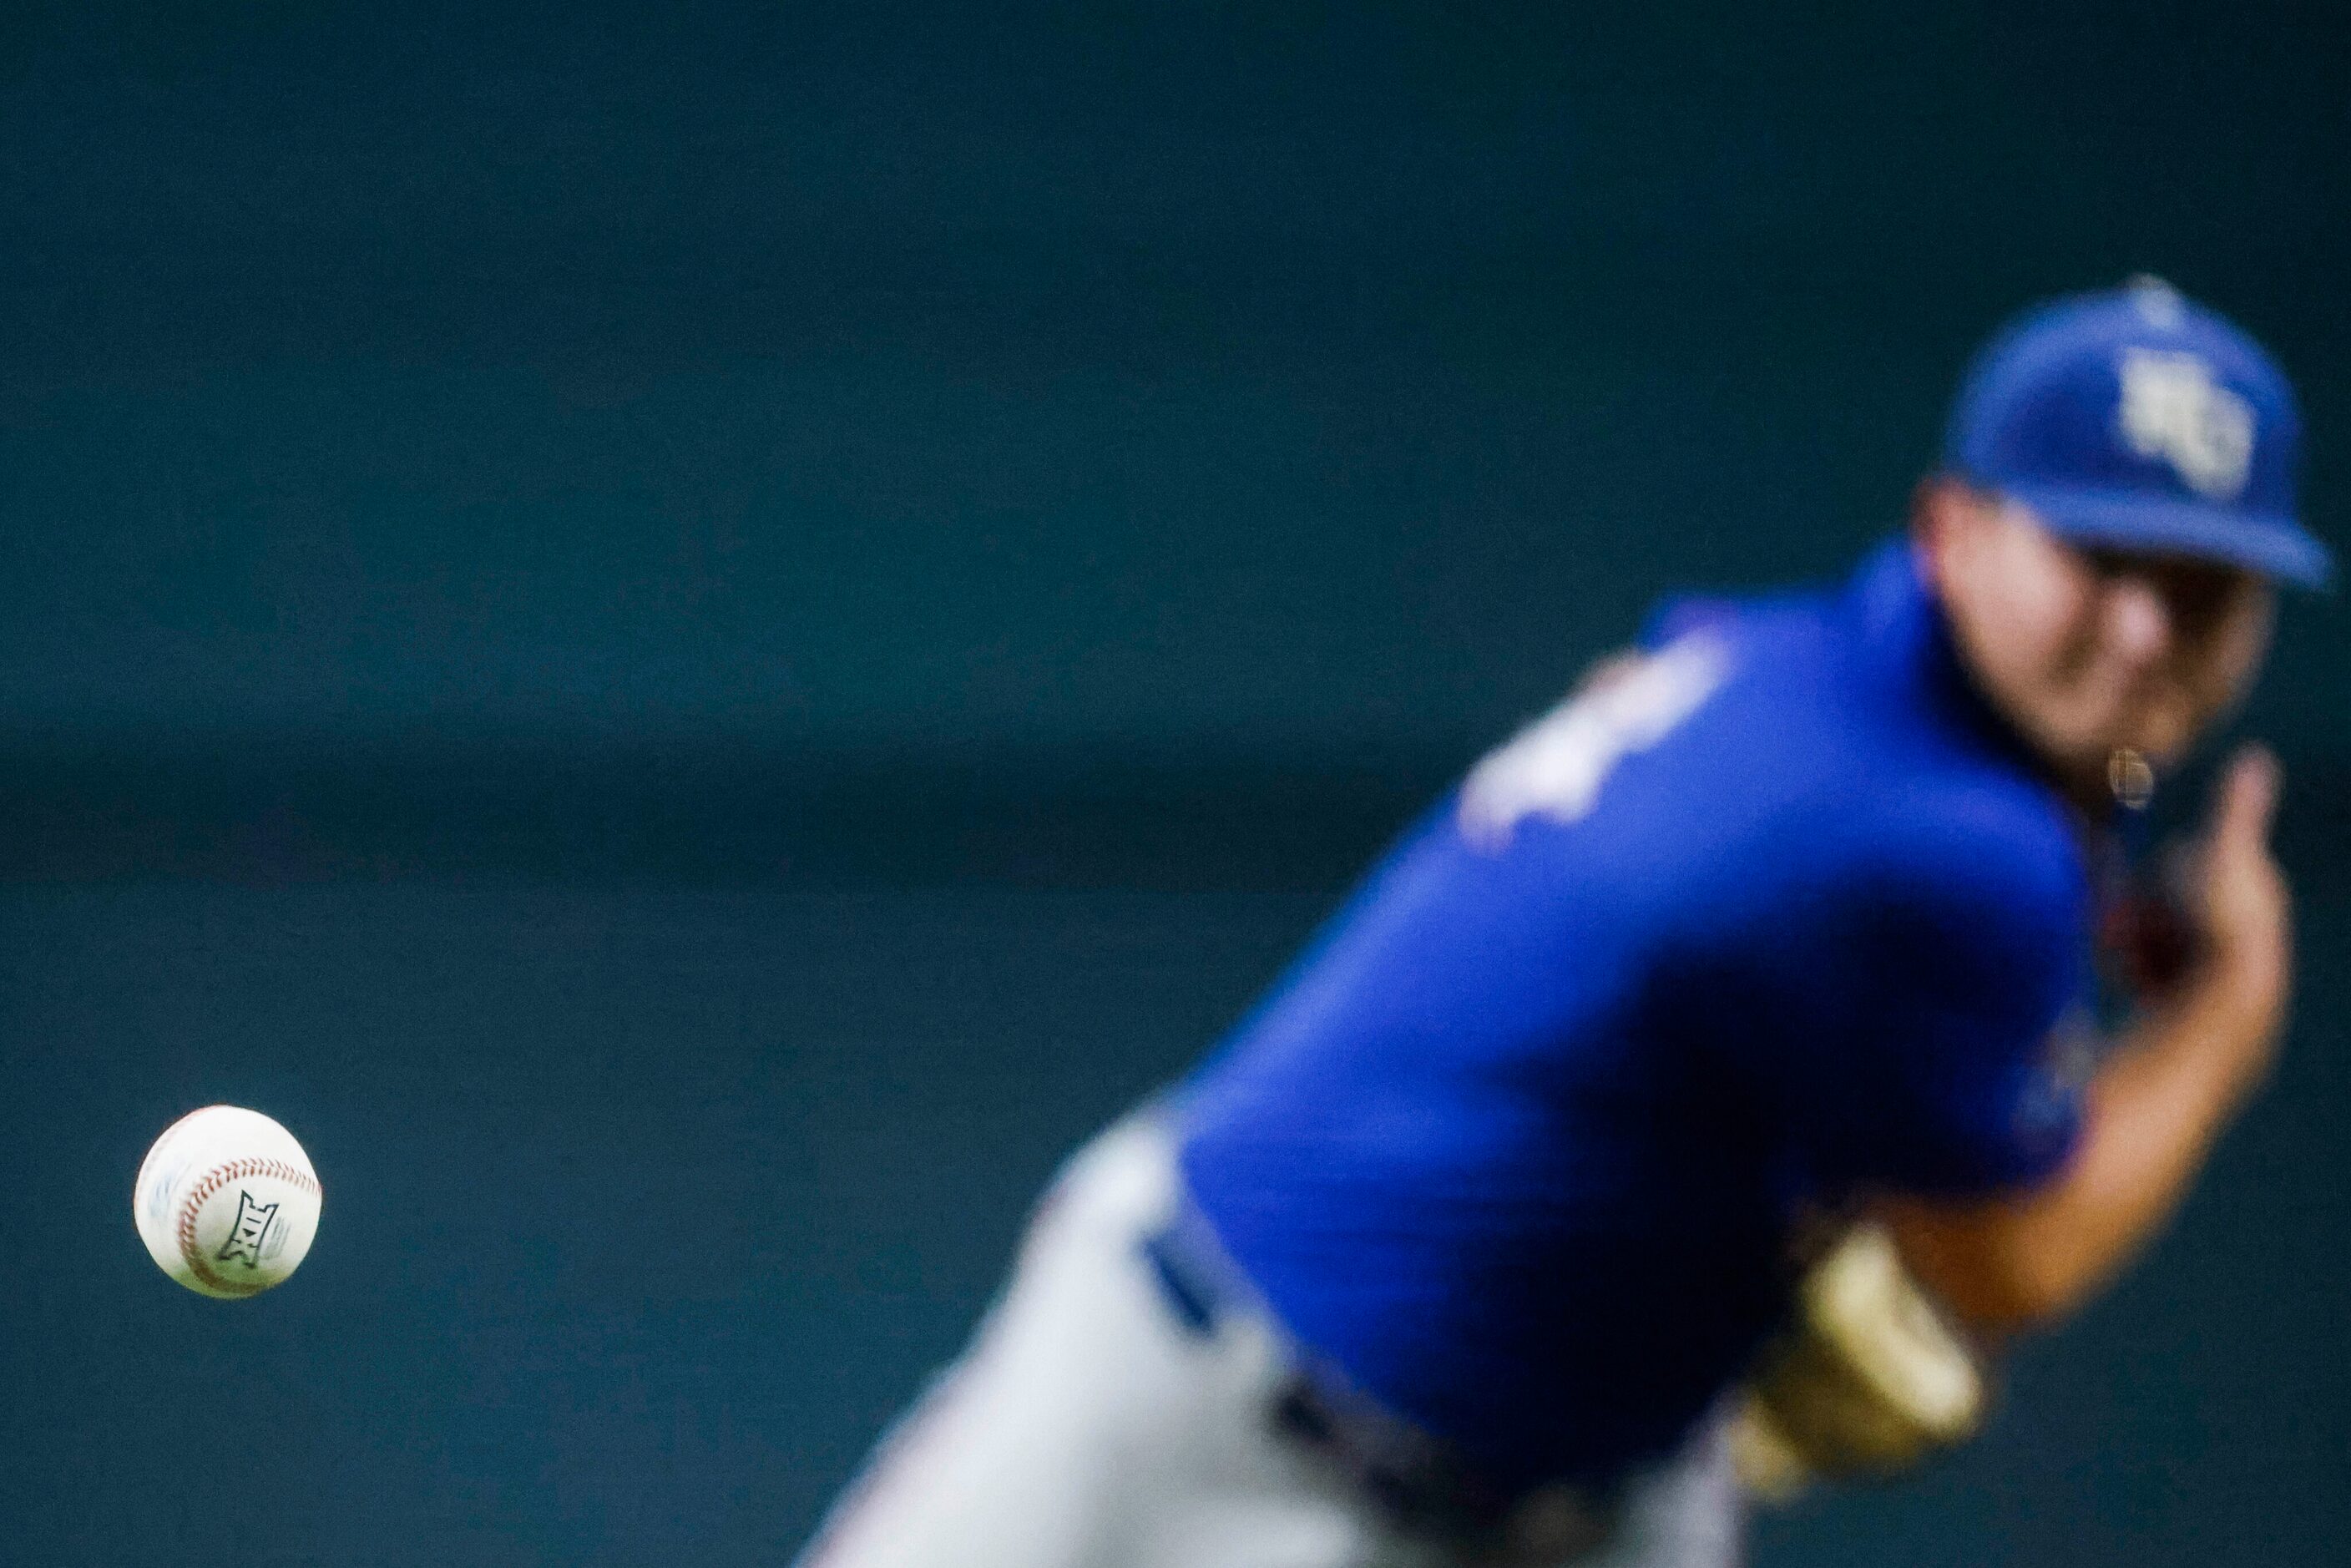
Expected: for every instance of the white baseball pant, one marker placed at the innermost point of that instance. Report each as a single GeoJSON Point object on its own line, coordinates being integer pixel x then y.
{"type": "Point", "coordinates": [1087, 1426]}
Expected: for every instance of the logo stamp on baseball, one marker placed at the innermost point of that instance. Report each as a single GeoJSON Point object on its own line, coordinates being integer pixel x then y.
{"type": "Point", "coordinates": [226, 1202]}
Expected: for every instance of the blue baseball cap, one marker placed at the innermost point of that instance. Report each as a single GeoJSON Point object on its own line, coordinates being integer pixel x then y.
{"type": "Point", "coordinates": [2139, 419]}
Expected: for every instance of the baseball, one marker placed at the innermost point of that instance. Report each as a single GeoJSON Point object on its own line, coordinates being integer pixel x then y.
{"type": "Point", "coordinates": [226, 1202]}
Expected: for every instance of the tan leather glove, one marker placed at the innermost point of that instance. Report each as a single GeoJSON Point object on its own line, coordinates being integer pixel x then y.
{"type": "Point", "coordinates": [1869, 1379]}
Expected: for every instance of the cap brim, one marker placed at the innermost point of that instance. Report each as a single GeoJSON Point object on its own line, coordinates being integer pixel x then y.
{"type": "Point", "coordinates": [2269, 543]}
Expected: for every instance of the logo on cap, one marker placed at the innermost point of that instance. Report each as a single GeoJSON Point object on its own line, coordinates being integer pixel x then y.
{"type": "Point", "coordinates": [2174, 410]}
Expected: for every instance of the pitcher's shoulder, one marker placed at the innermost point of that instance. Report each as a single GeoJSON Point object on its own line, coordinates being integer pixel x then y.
{"type": "Point", "coordinates": [1966, 846]}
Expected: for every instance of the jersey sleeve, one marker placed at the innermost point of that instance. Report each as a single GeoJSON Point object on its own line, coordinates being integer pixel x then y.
{"type": "Point", "coordinates": [1922, 1003]}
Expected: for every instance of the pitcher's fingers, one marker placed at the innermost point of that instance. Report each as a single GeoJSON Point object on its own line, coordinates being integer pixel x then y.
{"type": "Point", "coordinates": [2248, 799]}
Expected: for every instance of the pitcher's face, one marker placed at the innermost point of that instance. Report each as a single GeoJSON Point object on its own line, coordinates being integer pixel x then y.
{"type": "Point", "coordinates": [2089, 650]}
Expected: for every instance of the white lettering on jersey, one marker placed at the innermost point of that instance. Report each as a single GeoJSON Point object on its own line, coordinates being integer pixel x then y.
{"type": "Point", "coordinates": [2172, 408]}
{"type": "Point", "coordinates": [1555, 767]}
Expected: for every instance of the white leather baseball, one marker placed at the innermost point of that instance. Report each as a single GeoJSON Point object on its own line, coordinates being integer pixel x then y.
{"type": "Point", "coordinates": [226, 1202]}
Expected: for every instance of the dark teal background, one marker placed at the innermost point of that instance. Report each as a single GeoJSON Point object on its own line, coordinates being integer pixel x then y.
{"type": "Point", "coordinates": [693, 638]}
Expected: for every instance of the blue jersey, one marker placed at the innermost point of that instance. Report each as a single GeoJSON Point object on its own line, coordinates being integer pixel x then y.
{"type": "Point", "coordinates": [1773, 914]}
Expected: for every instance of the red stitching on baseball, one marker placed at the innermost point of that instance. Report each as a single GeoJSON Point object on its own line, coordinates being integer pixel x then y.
{"type": "Point", "coordinates": [215, 1179]}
